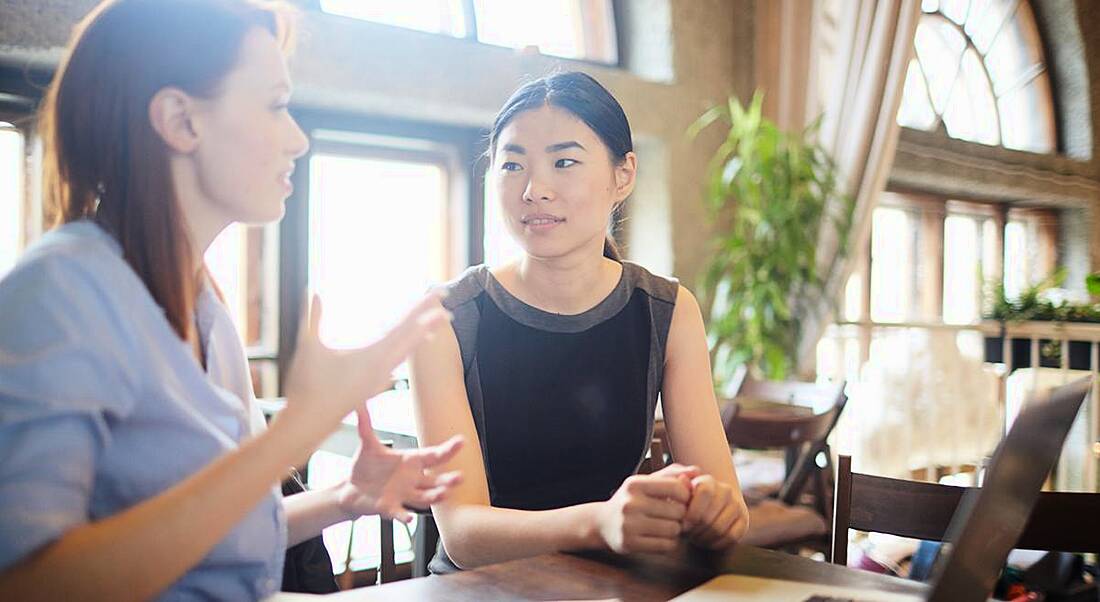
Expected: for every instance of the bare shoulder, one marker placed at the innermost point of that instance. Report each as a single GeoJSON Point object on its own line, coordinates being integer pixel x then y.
{"type": "Point", "coordinates": [687, 311]}
{"type": "Point", "coordinates": [687, 338]}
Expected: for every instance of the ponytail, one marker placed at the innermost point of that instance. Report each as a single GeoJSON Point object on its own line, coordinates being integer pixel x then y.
{"type": "Point", "coordinates": [611, 249]}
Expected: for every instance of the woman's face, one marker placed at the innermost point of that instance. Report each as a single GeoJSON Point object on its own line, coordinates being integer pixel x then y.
{"type": "Point", "coordinates": [557, 183]}
{"type": "Point", "coordinates": [248, 140]}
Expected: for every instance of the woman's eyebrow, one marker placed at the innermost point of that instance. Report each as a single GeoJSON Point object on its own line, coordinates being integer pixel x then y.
{"type": "Point", "coordinates": [560, 146]}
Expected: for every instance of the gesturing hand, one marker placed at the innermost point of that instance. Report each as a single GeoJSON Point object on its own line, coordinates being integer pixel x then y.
{"type": "Point", "coordinates": [325, 384]}
{"type": "Point", "coordinates": [388, 482]}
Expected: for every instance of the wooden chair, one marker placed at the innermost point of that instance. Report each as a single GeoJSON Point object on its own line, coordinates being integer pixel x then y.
{"type": "Point", "coordinates": [782, 522]}
{"type": "Point", "coordinates": [921, 510]}
{"type": "Point", "coordinates": [805, 436]}
{"type": "Point", "coordinates": [655, 460]}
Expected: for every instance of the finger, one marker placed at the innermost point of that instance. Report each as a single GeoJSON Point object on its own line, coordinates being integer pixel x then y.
{"type": "Point", "coordinates": [651, 544]}
{"type": "Point", "coordinates": [442, 453]}
{"type": "Point", "coordinates": [709, 516]}
{"type": "Point", "coordinates": [427, 497]}
{"type": "Point", "coordinates": [702, 498]}
{"type": "Point", "coordinates": [447, 479]}
{"type": "Point", "coordinates": [399, 513]}
{"type": "Point", "coordinates": [646, 526]}
{"type": "Point", "coordinates": [410, 332]}
{"type": "Point", "coordinates": [366, 430]}
{"type": "Point", "coordinates": [663, 508]}
{"type": "Point", "coordinates": [718, 528]}
{"type": "Point", "coordinates": [740, 526]}
{"type": "Point", "coordinates": [675, 470]}
{"type": "Point", "coordinates": [686, 480]}
{"type": "Point", "coordinates": [733, 534]}
{"type": "Point", "coordinates": [663, 487]}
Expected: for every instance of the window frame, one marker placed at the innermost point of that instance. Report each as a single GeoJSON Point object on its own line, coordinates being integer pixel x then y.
{"type": "Point", "coordinates": [587, 8]}
{"type": "Point", "coordinates": [1039, 45]}
{"type": "Point", "coordinates": [468, 145]}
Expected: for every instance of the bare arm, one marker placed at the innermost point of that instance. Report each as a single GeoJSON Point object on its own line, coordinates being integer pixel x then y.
{"type": "Point", "coordinates": [717, 515]}
{"type": "Point", "coordinates": [137, 553]}
{"type": "Point", "coordinates": [643, 515]}
{"type": "Point", "coordinates": [473, 532]}
{"type": "Point", "coordinates": [309, 512]}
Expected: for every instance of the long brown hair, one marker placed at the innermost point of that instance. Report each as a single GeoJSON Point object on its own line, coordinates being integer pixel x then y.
{"type": "Point", "coordinates": [102, 158]}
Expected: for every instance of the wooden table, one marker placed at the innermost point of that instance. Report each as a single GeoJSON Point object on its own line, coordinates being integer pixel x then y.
{"type": "Point", "coordinates": [601, 576]}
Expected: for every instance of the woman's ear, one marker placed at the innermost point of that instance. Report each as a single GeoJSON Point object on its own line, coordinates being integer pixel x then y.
{"type": "Point", "coordinates": [625, 173]}
{"type": "Point", "coordinates": [171, 113]}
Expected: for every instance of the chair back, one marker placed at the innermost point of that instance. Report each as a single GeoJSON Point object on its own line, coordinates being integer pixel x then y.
{"type": "Point", "coordinates": [922, 510]}
{"type": "Point", "coordinates": [803, 436]}
{"type": "Point", "coordinates": [763, 429]}
{"type": "Point", "coordinates": [813, 395]}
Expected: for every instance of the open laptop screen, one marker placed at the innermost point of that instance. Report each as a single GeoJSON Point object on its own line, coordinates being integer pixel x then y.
{"type": "Point", "coordinates": [989, 520]}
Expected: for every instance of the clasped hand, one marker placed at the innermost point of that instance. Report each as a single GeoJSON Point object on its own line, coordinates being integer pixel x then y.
{"type": "Point", "coordinates": [650, 513]}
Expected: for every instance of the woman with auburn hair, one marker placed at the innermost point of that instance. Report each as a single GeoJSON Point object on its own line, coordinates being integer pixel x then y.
{"type": "Point", "coordinates": [135, 463]}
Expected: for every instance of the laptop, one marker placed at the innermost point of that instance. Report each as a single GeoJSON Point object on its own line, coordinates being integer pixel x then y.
{"type": "Point", "coordinates": [983, 530]}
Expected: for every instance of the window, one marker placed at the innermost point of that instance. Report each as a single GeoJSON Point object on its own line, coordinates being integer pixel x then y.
{"type": "Point", "coordinates": [379, 227]}
{"type": "Point", "coordinates": [243, 263]}
{"type": "Point", "coordinates": [499, 244]}
{"type": "Point", "coordinates": [12, 168]}
{"type": "Point", "coordinates": [433, 16]}
{"type": "Point", "coordinates": [980, 73]}
{"type": "Point", "coordinates": [936, 261]}
{"type": "Point", "coordinates": [575, 29]}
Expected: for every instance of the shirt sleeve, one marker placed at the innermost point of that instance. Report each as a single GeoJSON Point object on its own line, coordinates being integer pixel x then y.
{"type": "Point", "coordinates": [66, 374]}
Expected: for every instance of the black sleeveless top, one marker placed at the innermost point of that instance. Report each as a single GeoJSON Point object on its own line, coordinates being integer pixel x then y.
{"type": "Point", "coordinates": [563, 404]}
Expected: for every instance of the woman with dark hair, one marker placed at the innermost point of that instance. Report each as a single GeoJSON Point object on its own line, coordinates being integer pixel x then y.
{"type": "Point", "coordinates": [134, 465]}
{"type": "Point", "coordinates": [556, 360]}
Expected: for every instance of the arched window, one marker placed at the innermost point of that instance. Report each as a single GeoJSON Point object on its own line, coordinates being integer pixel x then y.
{"type": "Point", "coordinates": [961, 225]}
{"type": "Point", "coordinates": [981, 75]}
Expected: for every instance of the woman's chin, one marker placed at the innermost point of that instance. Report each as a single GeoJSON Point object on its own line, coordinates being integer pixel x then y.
{"type": "Point", "coordinates": [272, 212]}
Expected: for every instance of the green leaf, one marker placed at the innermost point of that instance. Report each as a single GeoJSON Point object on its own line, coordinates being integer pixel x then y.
{"type": "Point", "coordinates": [710, 116]}
{"type": "Point", "coordinates": [1092, 282]}
{"type": "Point", "coordinates": [772, 194]}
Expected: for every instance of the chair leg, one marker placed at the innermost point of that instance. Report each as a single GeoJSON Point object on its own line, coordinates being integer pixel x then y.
{"type": "Point", "coordinates": [425, 541]}
{"type": "Point", "coordinates": [387, 568]}
{"type": "Point", "coordinates": [795, 482]}
{"type": "Point", "coordinates": [821, 503]}
{"type": "Point", "coordinates": [346, 580]}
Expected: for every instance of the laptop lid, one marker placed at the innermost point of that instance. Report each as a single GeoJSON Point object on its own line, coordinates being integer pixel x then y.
{"type": "Point", "coordinates": [990, 520]}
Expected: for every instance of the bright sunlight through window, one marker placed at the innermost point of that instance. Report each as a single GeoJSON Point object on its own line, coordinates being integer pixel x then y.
{"type": "Point", "coordinates": [11, 195]}
{"type": "Point", "coordinates": [432, 16]}
{"type": "Point", "coordinates": [378, 240]}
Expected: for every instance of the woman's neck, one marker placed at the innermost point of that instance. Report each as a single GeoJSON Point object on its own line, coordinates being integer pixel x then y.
{"type": "Point", "coordinates": [202, 219]}
{"type": "Point", "coordinates": [565, 285]}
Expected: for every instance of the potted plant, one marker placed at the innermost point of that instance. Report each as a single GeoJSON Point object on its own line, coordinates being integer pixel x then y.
{"type": "Point", "coordinates": [771, 195]}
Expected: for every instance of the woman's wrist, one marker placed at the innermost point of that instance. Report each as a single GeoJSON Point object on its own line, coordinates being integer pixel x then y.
{"type": "Point", "coordinates": [301, 430]}
{"type": "Point", "coordinates": [591, 536]}
{"type": "Point", "coordinates": [344, 495]}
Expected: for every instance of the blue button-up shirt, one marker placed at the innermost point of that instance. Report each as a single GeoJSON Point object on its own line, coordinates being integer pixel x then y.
{"type": "Point", "coordinates": [103, 406]}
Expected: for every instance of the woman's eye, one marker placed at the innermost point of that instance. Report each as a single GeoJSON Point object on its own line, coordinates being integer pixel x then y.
{"type": "Point", "coordinates": [565, 163]}
{"type": "Point", "coordinates": [511, 166]}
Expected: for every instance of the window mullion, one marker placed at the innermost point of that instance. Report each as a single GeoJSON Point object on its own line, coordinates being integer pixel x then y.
{"type": "Point", "coordinates": [470, 14]}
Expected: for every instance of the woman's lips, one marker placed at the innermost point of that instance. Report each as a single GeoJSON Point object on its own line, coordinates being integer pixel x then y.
{"type": "Point", "coordinates": [541, 222]}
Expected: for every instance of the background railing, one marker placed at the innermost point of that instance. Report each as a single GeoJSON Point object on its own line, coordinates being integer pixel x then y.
{"type": "Point", "coordinates": [929, 399]}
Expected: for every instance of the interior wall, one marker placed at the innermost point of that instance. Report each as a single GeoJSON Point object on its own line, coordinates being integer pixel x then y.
{"type": "Point", "coordinates": [359, 67]}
